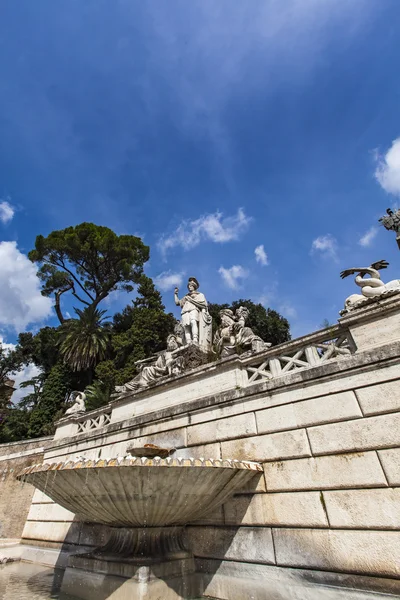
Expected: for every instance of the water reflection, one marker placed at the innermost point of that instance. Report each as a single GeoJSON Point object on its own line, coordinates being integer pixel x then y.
{"type": "Point", "coordinates": [24, 581]}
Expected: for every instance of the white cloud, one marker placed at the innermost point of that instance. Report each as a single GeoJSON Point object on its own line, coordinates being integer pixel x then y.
{"type": "Point", "coordinates": [287, 310]}
{"type": "Point", "coordinates": [326, 245]}
{"type": "Point", "coordinates": [261, 255]}
{"type": "Point", "coordinates": [26, 373]}
{"type": "Point", "coordinates": [368, 237]}
{"type": "Point", "coordinates": [21, 302]}
{"type": "Point", "coordinates": [6, 212]}
{"type": "Point", "coordinates": [233, 275]}
{"type": "Point", "coordinates": [387, 171]}
{"type": "Point", "coordinates": [167, 280]}
{"type": "Point", "coordinates": [212, 227]}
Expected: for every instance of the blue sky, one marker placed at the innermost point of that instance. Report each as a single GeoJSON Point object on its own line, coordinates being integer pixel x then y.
{"type": "Point", "coordinates": [211, 129]}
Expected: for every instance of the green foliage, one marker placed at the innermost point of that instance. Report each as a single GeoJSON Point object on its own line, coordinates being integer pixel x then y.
{"type": "Point", "coordinates": [97, 394]}
{"type": "Point", "coordinates": [42, 349]}
{"type": "Point", "coordinates": [52, 402]}
{"type": "Point", "coordinates": [140, 330]}
{"type": "Point", "coordinates": [16, 425]}
{"type": "Point", "coordinates": [85, 341]}
{"type": "Point", "coordinates": [90, 261]}
{"type": "Point", "coordinates": [10, 362]}
{"type": "Point", "coordinates": [265, 322]}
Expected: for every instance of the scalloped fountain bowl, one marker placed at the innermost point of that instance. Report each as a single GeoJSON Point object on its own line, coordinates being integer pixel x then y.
{"type": "Point", "coordinates": [141, 492]}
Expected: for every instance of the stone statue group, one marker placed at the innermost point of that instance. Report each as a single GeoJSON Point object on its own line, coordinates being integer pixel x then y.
{"type": "Point", "coordinates": [233, 335]}
{"type": "Point", "coordinates": [195, 329]}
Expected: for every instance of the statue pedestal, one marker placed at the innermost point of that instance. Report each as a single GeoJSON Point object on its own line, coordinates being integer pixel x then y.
{"type": "Point", "coordinates": [140, 563]}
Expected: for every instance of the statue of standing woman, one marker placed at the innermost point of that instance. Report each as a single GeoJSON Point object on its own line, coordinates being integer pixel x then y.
{"type": "Point", "coordinates": [196, 320]}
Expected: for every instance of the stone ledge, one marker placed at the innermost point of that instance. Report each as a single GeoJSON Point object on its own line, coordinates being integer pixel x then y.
{"type": "Point", "coordinates": [269, 577]}
{"type": "Point", "coordinates": [384, 356]}
{"type": "Point", "coordinates": [351, 551]}
{"type": "Point", "coordinates": [338, 471]}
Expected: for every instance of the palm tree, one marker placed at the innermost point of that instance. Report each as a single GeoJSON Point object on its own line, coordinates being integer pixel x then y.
{"type": "Point", "coordinates": [97, 394]}
{"type": "Point", "coordinates": [85, 341]}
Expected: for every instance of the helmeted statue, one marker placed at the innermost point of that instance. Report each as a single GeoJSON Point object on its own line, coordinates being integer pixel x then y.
{"type": "Point", "coordinates": [391, 222]}
{"type": "Point", "coordinates": [196, 320]}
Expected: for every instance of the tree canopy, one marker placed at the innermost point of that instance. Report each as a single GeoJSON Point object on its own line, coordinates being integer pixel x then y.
{"type": "Point", "coordinates": [265, 322]}
{"type": "Point", "coordinates": [88, 260]}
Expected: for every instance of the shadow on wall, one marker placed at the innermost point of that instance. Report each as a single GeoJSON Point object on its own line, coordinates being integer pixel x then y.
{"type": "Point", "coordinates": [85, 537]}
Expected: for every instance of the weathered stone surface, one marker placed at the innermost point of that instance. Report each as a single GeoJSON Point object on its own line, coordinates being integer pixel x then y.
{"type": "Point", "coordinates": [383, 398]}
{"type": "Point", "coordinates": [175, 438]}
{"type": "Point", "coordinates": [243, 543]}
{"type": "Point", "coordinates": [249, 581]}
{"type": "Point", "coordinates": [311, 387]}
{"type": "Point", "coordinates": [303, 509]}
{"type": "Point", "coordinates": [361, 434]}
{"type": "Point", "coordinates": [217, 517]}
{"type": "Point", "coordinates": [50, 512]}
{"type": "Point", "coordinates": [335, 407]}
{"type": "Point", "coordinates": [390, 460]}
{"type": "Point", "coordinates": [375, 509]}
{"type": "Point", "coordinates": [203, 451]}
{"type": "Point", "coordinates": [93, 534]}
{"type": "Point", "coordinates": [370, 335]}
{"type": "Point", "coordinates": [141, 491]}
{"type": "Point", "coordinates": [52, 531]}
{"type": "Point", "coordinates": [325, 472]}
{"type": "Point", "coordinates": [208, 381]}
{"type": "Point", "coordinates": [222, 429]}
{"type": "Point", "coordinates": [273, 446]}
{"type": "Point", "coordinates": [15, 498]}
{"type": "Point", "coordinates": [40, 498]}
{"type": "Point", "coordinates": [369, 552]}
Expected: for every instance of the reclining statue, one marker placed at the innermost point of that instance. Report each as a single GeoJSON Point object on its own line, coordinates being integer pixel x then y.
{"type": "Point", "coordinates": [166, 364]}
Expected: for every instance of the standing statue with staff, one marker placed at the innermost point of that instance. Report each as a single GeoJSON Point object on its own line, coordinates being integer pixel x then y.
{"type": "Point", "coordinates": [196, 320]}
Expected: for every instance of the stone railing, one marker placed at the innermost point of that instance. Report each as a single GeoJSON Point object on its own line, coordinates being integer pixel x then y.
{"type": "Point", "coordinates": [94, 421]}
{"type": "Point", "coordinates": [305, 352]}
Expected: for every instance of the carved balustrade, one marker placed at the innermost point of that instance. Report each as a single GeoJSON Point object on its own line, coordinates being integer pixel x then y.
{"type": "Point", "coordinates": [94, 421]}
{"type": "Point", "coordinates": [309, 351]}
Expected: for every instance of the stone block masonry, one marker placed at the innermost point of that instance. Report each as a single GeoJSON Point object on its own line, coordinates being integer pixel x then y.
{"type": "Point", "coordinates": [327, 436]}
{"type": "Point", "coordinates": [15, 498]}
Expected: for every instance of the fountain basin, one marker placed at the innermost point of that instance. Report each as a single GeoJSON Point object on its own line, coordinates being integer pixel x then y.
{"type": "Point", "coordinates": [141, 492]}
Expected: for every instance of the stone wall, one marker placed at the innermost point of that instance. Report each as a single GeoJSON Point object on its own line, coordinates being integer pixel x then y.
{"type": "Point", "coordinates": [329, 440]}
{"type": "Point", "coordinates": [15, 498]}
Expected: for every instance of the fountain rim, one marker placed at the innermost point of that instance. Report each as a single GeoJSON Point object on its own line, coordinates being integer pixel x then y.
{"type": "Point", "coordinates": [126, 462]}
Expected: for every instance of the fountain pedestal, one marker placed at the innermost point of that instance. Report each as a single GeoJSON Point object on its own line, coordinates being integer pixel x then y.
{"type": "Point", "coordinates": [136, 562]}
{"type": "Point", "coordinates": [146, 503]}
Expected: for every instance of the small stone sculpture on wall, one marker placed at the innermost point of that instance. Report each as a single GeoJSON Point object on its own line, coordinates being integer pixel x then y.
{"type": "Point", "coordinates": [371, 287]}
{"type": "Point", "coordinates": [233, 337]}
{"type": "Point", "coordinates": [78, 405]}
{"type": "Point", "coordinates": [196, 320]}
